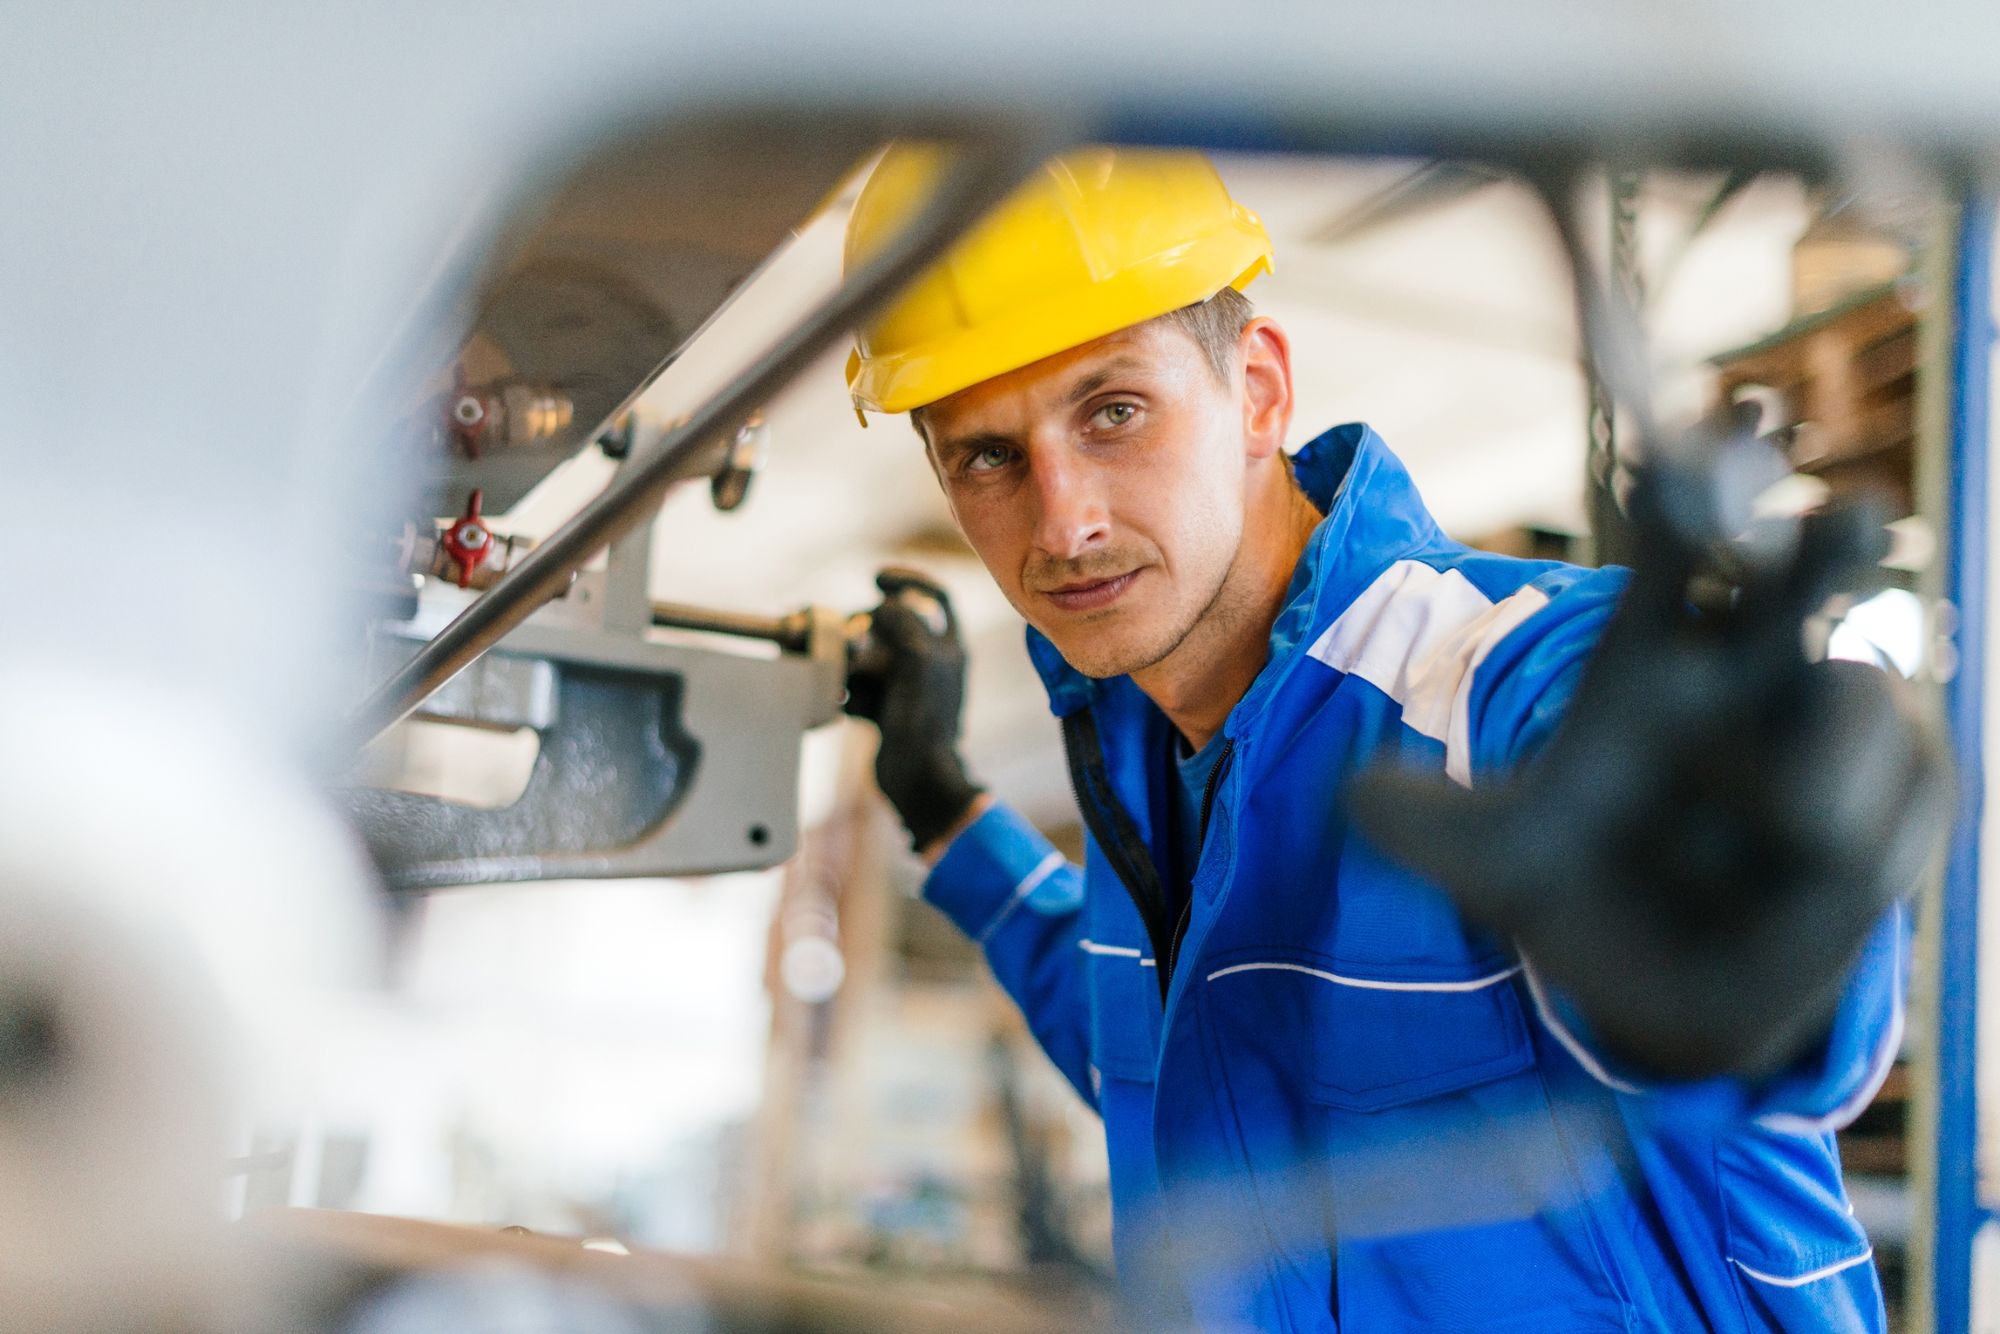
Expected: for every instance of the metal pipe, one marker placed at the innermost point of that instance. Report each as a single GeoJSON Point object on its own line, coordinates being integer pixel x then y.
{"type": "Point", "coordinates": [989, 166]}
{"type": "Point", "coordinates": [1613, 338]}
{"type": "Point", "coordinates": [791, 633]}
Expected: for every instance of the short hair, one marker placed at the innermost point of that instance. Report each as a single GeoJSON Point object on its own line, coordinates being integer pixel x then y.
{"type": "Point", "coordinates": [1216, 325]}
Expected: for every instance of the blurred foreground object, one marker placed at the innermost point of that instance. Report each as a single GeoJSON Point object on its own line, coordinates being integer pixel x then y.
{"type": "Point", "coordinates": [174, 911]}
{"type": "Point", "coordinates": [1700, 850]}
{"type": "Point", "coordinates": [369, 1275]}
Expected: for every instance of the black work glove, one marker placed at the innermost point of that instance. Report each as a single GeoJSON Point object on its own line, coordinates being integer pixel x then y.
{"type": "Point", "coordinates": [908, 678]}
{"type": "Point", "coordinates": [1700, 851]}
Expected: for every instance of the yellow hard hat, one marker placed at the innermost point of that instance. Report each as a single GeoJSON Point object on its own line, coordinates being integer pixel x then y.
{"type": "Point", "coordinates": [1097, 240]}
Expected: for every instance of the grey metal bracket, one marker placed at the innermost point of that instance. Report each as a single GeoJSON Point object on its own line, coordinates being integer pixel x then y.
{"type": "Point", "coordinates": [655, 759]}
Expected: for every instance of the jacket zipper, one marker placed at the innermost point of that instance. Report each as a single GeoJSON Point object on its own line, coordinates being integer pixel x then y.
{"type": "Point", "coordinates": [1117, 837]}
{"type": "Point", "coordinates": [1200, 841]}
{"type": "Point", "coordinates": [1111, 825]}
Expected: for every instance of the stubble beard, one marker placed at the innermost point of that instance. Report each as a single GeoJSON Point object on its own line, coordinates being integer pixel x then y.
{"type": "Point", "coordinates": [1095, 659]}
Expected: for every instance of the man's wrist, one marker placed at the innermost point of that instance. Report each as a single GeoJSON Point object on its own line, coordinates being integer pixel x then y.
{"type": "Point", "coordinates": [930, 790]}
{"type": "Point", "coordinates": [933, 852]}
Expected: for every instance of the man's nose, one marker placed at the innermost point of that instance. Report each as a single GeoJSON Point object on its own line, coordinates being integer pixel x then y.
{"type": "Point", "coordinates": [1071, 516]}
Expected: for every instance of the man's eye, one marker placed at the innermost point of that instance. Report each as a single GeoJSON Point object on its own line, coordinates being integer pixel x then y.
{"type": "Point", "coordinates": [1117, 414]}
{"type": "Point", "coordinates": [989, 459]}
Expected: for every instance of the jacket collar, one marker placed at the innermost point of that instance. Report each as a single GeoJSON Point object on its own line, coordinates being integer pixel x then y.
{"type": "Point", "coordinates": [1373, 516]}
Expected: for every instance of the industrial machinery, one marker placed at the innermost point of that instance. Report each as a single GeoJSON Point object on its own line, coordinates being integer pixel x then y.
{"type": "Point", "coordinates": [651, 758]}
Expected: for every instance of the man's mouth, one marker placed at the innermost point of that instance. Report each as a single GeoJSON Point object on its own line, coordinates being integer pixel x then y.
{"type": "Point", "coordinates": [1091, 594]}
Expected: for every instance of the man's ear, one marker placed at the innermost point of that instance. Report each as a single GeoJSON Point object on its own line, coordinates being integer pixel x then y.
{"type": "Point", "coordinates": [1265, 353]}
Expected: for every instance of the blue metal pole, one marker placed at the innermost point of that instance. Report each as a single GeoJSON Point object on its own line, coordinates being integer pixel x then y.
{"type": "Point", "coordinates": [1958, 1209]}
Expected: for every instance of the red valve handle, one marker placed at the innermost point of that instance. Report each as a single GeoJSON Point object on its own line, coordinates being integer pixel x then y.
{"type": "Point", "coordinates": [469, 542]}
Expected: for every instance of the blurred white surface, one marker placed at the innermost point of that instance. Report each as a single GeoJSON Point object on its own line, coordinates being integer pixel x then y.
{"type": "Point", "coordinates": [178, 919]}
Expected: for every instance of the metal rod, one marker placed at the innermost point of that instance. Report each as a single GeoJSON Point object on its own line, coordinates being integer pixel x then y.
{"type": "Point", "coordinates": [1610, 533]}
{"type": "Point", "coordinates": [788, 632]}
{"type": "Point", "coordinates": [1613, 336]}
{"type": "Point", "coordinates": [988, 168]}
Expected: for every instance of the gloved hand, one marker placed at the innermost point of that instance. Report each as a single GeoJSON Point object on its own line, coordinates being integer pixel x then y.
{"type": "Point", "coordinates": [1699, 852]}
{"type": "Point", "coordinates": [908, 678]}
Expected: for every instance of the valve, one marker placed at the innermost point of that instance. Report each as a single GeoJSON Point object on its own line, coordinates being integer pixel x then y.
{"type": "Point", "coordinates": [468, 421]}
{"type": "Point", "coordinates": [468, 541]}
{"type": "Point", "coordinates": [466, 415]}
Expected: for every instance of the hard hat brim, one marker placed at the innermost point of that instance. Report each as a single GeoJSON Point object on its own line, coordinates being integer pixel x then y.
{"type": "Point", "coordinates": [922, 375]}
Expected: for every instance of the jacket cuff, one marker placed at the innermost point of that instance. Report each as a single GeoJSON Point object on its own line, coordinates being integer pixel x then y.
{"type": "Point", "coordinates": [995, 865]}
{"type": "Point", "coordinates": [1823, 1089]}
{"type": "Point", "coordinates": [1841, 1076]}
{"type": "Point", "coordinates": [1714, 1104]}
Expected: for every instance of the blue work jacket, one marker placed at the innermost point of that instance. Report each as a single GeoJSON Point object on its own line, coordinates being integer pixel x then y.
{"type": "Point", "coordinates": [1330, 1103]}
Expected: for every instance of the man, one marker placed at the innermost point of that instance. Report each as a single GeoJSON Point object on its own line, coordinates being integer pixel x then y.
{"type": "Point", "coordinates": [1331, 1101]}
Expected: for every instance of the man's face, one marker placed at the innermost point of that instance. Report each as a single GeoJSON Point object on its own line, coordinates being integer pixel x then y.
{"type": "Point", "coordinates": [1103, 488]}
